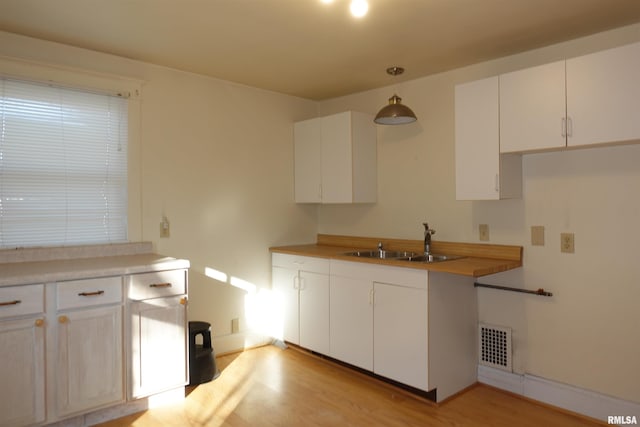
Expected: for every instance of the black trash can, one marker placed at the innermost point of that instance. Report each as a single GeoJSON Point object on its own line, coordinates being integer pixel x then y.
{"type": "Point", "coordinates": [202, 359]}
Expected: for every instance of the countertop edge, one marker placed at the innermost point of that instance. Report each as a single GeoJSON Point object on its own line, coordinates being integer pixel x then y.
{"type": "Point", "coordinates": [35, 272]}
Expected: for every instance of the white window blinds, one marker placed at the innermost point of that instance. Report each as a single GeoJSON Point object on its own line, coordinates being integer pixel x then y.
{"type": "Point", "coordinates": [63, 166]}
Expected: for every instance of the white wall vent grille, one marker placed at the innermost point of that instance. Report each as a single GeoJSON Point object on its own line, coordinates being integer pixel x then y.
{"type": "Point", "coordinates": [495, 346]}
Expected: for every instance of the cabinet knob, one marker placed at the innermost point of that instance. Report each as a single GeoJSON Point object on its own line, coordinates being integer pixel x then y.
{"type": "Point", "coordinates": [63, 319]}
{"type": "Point", "coordinates": [183, 301]}
{"type": "Point", "coordinates": [39, 322]}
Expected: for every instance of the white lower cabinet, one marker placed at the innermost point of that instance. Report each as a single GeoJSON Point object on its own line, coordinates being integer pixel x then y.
{"type": "Point", "coordinates": [89, 338]}
{"type": "Point", "coordinates": [158, 339]}
{"type": "Point", "coordinates": [379, 320]}
{"type": "Point", "coordinates": [22, 352]}
{"type": "Point", "coordinates": [301, 289]}
{"type": "Point", "coordinates": [400, 334]}
{"type": "Point", "coordinates": [69, 348]}
{"type": "Point", "coordinates": [408, 325]}
{"type": "Point", "coordinates": [89, 360]}
{"type": "Point", "coordinates": [351, 320]}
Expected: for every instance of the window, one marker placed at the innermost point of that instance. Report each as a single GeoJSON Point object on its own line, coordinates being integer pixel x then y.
{"type": "Point", "coordinates": [63, 166]}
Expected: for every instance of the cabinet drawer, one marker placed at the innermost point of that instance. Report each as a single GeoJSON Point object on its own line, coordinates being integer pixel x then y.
{"type": "Point", "coordinates": [157, 284]}
{"type": "Point", "coordinates": [89, 292]}
{"type": "Point", "coordinates": [21, 300]}
{"type": "Point", "coordinates": [303, 263]}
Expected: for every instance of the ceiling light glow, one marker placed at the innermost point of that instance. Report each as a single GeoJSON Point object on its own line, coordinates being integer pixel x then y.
{"type": "Point", "coordinates": [359, 8]}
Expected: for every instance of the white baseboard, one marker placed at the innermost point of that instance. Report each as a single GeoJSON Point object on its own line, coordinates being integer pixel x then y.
{"type": "Point", "coordinates": [581, 401]}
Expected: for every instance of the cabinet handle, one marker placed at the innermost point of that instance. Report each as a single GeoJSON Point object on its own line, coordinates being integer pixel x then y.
{"type": "Point", "coordinates": [160, 285]}
{"type": "Point", "coordinates": [183, 301]}
{"type": "Point", "coordinates": [90, 294]}
{"type": "Point", "coordinates": [372, 297]}
{"type": "Point", "coordinates": [497, 182]}
{"type": "Point", "coordinates": [14, 302]}
{"type": "Point", "coordinates": [301, 283]}
{"type": "Point", "coordinates": [39, 323]}
{"type": "Point", "coordinates": [63, 319]}
{"type": "Point", "coordinates": [569, 127]}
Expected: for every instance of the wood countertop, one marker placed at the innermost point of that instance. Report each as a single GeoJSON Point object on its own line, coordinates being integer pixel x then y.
{"type": "Point", "coordinates": [478, 259]}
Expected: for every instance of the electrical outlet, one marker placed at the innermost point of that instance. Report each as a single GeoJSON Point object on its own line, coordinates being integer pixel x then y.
{"type": "Point", "coordinates": [165, 229]}
{"type": "Point", "coordinates": [235, 325]}
{"type": "Point", "coordinates": [537, 235]}
{"type": "Point", "coordinates": [567, 243]}
{"type": "Point", "coordinates": [483, 230]}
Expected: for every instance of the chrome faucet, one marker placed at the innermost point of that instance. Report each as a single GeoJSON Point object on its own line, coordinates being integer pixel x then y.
{"type": "Point", "coordinates": [427, 238]}
{"type": "Point", "coordinates": [380, 249]}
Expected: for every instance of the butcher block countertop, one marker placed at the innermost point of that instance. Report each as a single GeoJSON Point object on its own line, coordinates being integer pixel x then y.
{"type": "Point", "coordinates": [478, 259]}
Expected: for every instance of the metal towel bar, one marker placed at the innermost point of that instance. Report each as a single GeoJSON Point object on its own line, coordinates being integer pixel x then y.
{"type": "Point", "coordinates": [539, 291]}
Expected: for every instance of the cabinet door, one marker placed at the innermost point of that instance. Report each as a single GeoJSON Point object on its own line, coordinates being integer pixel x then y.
{"type": "Point", "coordinates": [351, 321]}
{"type": "Point", "coordinates": [314, 311]}
{"type": "Point", "coordinates": [482, 173]}
{"type": "Point", "coordinates": [401, 334]}
{"type": "Point", "coordinates": [337, 158]}
{"type": "Point", "coordinates": [533, 108]}
{"type": "Point", "coordinates": [89, 359]}
{"type": "Point", "coordinates": [285, 288]}
{"type": "Point", "coordinates": [158, 345]}
{"type": "Point", "coordinates": [477, 145]}
{"type": "Point", "coordinates": [308, 166]}
{"type": "Point", "coordinates": [603, 96]}
{"type": "Point", "coordinates": [22, 372]}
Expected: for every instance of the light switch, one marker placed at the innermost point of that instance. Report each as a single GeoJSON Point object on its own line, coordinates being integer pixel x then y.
{"type": "Point", "coordinates": [165, 229]}
{"type": "Point", "coordinates": [483, 230]}
{"type": "Point", "coordinates": [537, 235]}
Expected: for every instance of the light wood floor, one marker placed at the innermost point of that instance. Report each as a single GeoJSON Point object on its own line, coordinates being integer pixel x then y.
{"type": "Point", "coordinates": [273, 387]}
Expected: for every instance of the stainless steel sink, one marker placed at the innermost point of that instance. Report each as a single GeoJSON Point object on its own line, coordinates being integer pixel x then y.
{"type": "Point", "coordinates": [383, 254]}
{"type": "Point", "coordinates": [431, 258]}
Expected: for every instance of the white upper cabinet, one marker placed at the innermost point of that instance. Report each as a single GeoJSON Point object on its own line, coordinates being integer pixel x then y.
{"type": "Point", "coordinates": [603, 96]}
{"type": "Point", "coordinates": [482, 173]}
{"type": "Point", "coordinates": [335, 159]}
{"type": "Point", "coordinates": [533, 108]}
{"type": "Point", "coordinates": [591, 99]}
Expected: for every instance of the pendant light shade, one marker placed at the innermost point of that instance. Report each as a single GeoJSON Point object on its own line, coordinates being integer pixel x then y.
{"type": "Point", "coordinates": [395, 113]}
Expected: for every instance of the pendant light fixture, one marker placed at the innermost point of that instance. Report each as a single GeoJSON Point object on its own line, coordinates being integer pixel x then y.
{"type": "Point", "coordinates": [395, 113]}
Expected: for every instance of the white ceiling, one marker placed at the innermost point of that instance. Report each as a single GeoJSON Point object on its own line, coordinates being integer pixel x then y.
{"type": "Point", "coordinates": [307, 48]}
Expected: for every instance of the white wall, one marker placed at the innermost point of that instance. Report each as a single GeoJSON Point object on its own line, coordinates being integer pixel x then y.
{"type": "Point", "coordinates": [217, 159]}
{"type": "Point", "coordinates": [587, 334]}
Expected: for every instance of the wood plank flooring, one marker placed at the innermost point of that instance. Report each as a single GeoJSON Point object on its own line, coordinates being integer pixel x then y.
{"type": "Point", "coordinates": [268, 386]}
